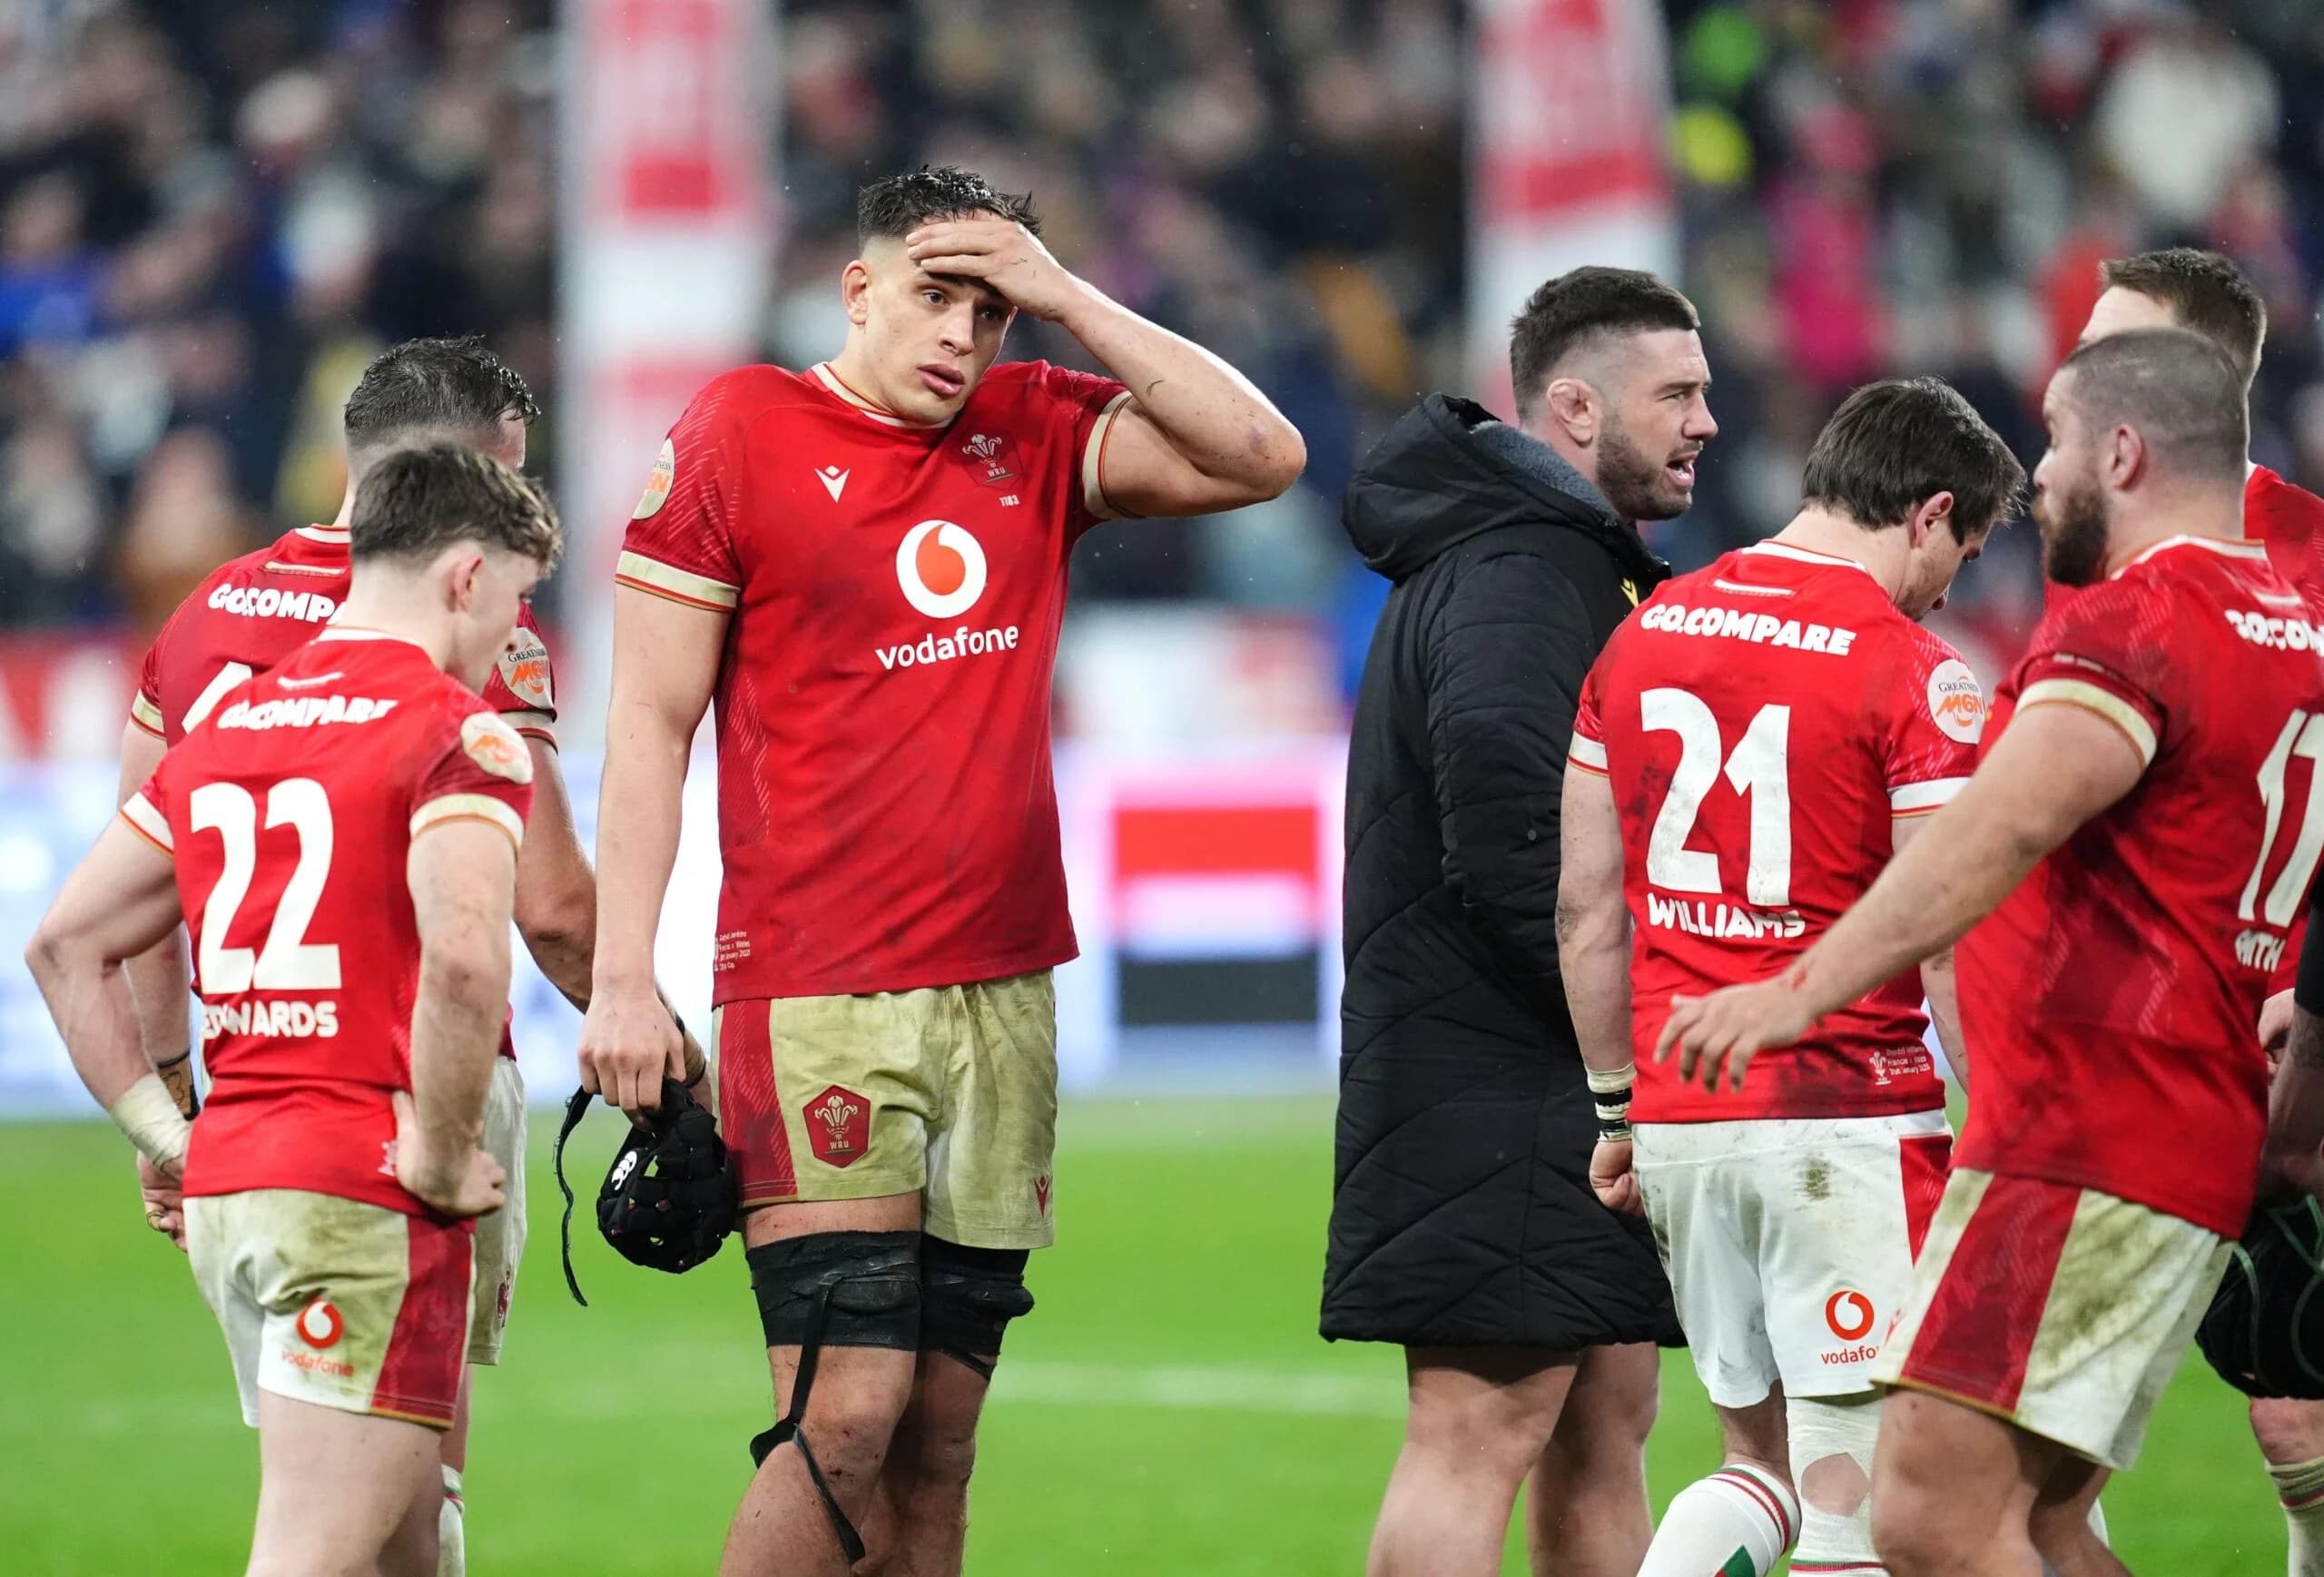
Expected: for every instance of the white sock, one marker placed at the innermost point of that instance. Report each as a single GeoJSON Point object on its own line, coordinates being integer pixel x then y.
{"type": "Point", "coordinates": [2300, 1487]}
{"type": "Point", "coordinates": [451, 1529]}
{"type": "Point", "coordinates": [1826, 1434]}
{"type": "Point", "coordinates": [1737, 1522]}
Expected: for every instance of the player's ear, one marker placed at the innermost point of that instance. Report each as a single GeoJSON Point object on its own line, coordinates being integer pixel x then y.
{"type": "Point", "coordinates": [2126, 457]}
{"type": "Point", "coordinates": [855, 291]}
{"type": "Point", "coordinates": [1930, 516]}
{"type": "Point", "coordinates": [466, 573]}
{"type": "Point", "coordinates": [1574, 405]}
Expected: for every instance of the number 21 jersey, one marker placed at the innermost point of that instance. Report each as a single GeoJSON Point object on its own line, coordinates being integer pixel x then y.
{"type": "Point", "coordinates": [290, 810]}
{"type": "Point", "coordinates": [2110, 1003]}
{"type": "Point", "coordinates": [1764, 720]}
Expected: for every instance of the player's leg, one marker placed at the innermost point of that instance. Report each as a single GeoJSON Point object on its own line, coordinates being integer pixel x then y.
{"type": "Point", "coordinates": [823, 1103]}
{"type": "Point", "coordinates": [342, 1495]}
{"type": "Point", "coordinates": [499, 1247]}
{"type": "Point", "coordinates": [988, 1207]}
{"type": "Point", "coordinates": [1739, 1521]}
{"type": "Point", "coordinates": [365, 1324]}
{"type": "Point", "coordinates": [1476, 1420]}
{"type": "Point", "coordinates": [1954, 1490]}
{"type": "Point", "coordinates": [1585, 1501]}
{"type": "Point", "coordinates": [2065, 1526]}
{"type": "Point", "coordinates": [2291, 1434]}
{"type": "Point", "coordinates": [838, 1287]}
{"type": "Point", "coordinates": [1700, 1184]}
{"type": "Point", "coordinates": [1843, 1203]}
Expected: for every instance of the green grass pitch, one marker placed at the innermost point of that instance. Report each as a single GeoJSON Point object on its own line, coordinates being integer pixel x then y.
{"type": "Point", "coordinates": [1168, 1409]}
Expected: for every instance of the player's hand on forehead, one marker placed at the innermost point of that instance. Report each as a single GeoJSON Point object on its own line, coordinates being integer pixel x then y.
{"type": "Point", "coordinates": [1000, 252]}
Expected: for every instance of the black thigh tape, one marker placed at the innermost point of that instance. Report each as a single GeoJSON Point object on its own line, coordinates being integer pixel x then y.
{"type": "Point", "coordinates": [871, 1280]}
{"type": "Point", "coordinates": [968, 1296]}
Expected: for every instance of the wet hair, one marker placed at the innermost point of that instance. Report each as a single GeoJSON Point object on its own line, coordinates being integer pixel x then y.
{"type": "Point", "coordinates": [435, 388]}
{"type": "Point", "coordinates": [895, 205]}
{"type": "Point", "coordinates": [1893, 445]}
{"type": "Point", "coordinates": [2205, 292]}
{"type": "Point", "coordinates": [1583, 305]}
{"type": "Point", "coordinates": [417, 501]}
{"type": "Point", "coordinates": [2179, 389]}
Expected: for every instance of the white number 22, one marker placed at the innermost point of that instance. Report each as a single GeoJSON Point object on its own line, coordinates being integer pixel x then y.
{"type": "Point", "coordinates": [287, 963]}
{"type": "Point", "coordinates": [1759, 767]}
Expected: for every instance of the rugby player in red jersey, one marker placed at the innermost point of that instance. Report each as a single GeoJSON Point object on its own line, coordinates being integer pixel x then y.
{"type": "Point", "coordinates": [2131, 852]}
{"type": "Point", "coordinates": [252, 612]}
{"type": "Point", "coordinates": [1750, 751]}
{"type": "Point", "coordinates": [864, 564]}
{"type": "Point", "coordinates": [2183, 287]}
{"type": "Point", "coordinates": [341, 837]}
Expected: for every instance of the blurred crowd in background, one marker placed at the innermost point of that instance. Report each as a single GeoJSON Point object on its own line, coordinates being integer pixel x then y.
{"type": "Point", "coordinates": [213, 211]}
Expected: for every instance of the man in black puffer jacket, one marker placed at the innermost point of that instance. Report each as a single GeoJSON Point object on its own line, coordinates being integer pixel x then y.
{"type": "Point", "coordinates": [1463, 1222]}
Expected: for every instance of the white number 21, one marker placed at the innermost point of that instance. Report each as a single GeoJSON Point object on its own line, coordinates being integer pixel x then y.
{"type": "Point", "coordinates": [1758, 767]}
{"type": "Point", "coordinates": [287, 963]}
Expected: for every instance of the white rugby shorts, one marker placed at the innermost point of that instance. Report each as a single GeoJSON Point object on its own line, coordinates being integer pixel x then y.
{"type": "Point", "coordinates": [1789, 1242]}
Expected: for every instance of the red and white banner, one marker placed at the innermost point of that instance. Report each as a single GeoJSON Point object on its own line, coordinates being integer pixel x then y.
{"type": "Point", "coordinates": [670, 128]}
{"type": "Point", "coordinates": [1567, 158]}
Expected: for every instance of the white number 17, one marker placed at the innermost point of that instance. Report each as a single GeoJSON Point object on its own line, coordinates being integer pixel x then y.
{"type": "Point", "coordinates": [2303, 736]}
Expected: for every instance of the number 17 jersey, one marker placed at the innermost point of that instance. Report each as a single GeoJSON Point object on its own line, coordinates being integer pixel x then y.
{"type": "Point", "coordinates": [1763, 722]}
{"type": "Point", "coordinates": [2111, 1004]}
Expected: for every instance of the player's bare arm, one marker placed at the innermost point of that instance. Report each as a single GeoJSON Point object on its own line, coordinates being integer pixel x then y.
{"type": "Point", "coordinates": [463, 876]}
{"type": "Point", "coordinates": [1937, 980]}
{"type": "Point", "coordinates": [159, 984]}
{"type": "Point", "coordinates": [1196, 437]}
{"type": "Point", "coordinates": [1594, 958]}
{"type": "Point", "coordinates": [556, 897]}
{"type": "Point", "coordinates": [2056, 766]}
{"type": "Point", "coordinates": [666, 661]}
{"type": "Point", "coordinates": [119, 901]}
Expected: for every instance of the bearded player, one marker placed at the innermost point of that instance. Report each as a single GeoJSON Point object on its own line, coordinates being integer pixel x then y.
{"type": "Point", "coordinates": [1750, 749]}
{"type": "Point", "coordinates": [864, 564]}
{"type": "Point", "coordinates": [2131, 852]}
{"type": "Point", "coordinates": [253, 611]}
{"type": "Point", "coordinates": [340, 835]}
{"type": "Point", "coordinates": [2205, 292]}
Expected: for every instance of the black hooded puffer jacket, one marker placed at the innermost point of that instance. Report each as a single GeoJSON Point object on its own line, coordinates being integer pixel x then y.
{"type": "Point", "coordinates": [1462, 1213]}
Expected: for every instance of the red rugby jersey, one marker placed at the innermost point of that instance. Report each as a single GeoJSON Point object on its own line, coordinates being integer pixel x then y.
{"type": "Point", "coordinates": [886, 811]}
{"type": "Point", "coordinates": [2109, 1003]}
{"type": "Point", "coordinates": [250, 612]}
{"type": "Point", "coordinates": [290, 812]}
{"type": "Point", "coordinates": [1763, 720]}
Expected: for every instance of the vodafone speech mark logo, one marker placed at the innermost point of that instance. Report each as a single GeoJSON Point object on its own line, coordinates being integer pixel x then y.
{"type": "Point", "coordinates": [941, 569]}
{"type": "Point", "coordinates": [320, 1326]}
{"type": "Point", "coordinates": [1849, 1314]}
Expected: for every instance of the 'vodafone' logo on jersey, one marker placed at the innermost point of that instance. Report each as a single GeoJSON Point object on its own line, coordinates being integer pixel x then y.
{"type": "Point", "coordinates": [940, 568]}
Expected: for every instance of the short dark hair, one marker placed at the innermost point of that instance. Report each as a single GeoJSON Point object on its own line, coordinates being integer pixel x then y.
{"type": "Point", "coordinates": [1581, 304]}
{"type": "Point", "coordinates": [435, 388]}
{"type": "Point", "coordinates": [1893, 445]}
{"type": "Point", "coordinates": [895, 205]}
{"type": "Point", "coordinates": [417, 501]}
{"type": "Point", "coordinates": [2179, 389]}
{"type": "Point", "coordinates": [2205, 292]}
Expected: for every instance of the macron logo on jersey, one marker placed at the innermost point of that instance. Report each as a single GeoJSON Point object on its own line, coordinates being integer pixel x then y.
{"type": "Point", "coordinates": [270, 602]}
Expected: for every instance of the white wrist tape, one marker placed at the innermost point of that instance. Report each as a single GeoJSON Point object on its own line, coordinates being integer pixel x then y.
{"type": "Point", "coordinates": [148, 1113]}
{"type": "Point", "coordinates": [1615, 1082]}
{"type": "Point", "coordinates": [1611, 1094]}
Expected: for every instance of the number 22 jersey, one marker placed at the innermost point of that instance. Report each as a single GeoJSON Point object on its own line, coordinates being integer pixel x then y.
{"type": "Point", "coordinates": [290, 812]}
{"type": "Point", "coordinates": [1764, 720]}
{"type": "Point", "coordinates": [2110, 1003]}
